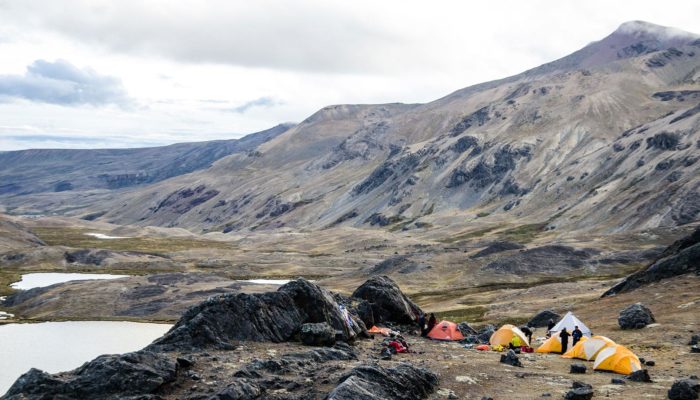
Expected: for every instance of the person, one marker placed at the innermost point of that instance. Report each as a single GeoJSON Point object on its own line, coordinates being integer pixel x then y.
{"type": "Point", "coordinates": [515, 342]}
{"type": "Point", "coordinates": [431, 322]}
{"type": "Point", "coordinates": [564, 335]}
{"type": "Point", "coordinates": [421, 323]}
{"type": "Point", "coordinates": [528, 332]}
{"type": "Point", "coordinates": [576, 335]}
{"type": "Point", "coordinates": [550, 326]}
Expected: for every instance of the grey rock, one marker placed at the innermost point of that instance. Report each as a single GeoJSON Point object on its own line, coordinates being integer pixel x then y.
{"type": "Point", "coordinates": [685, 389]}
{"type": "Point", "coordinates": [618, 381]}
{"type": "Point", "coordinates": [577, 368]}
{"type": "Point", "coordinates": [373, 382]}
{"type": "Point", "coordinates": [318, 334]}
{"type": "Point", "coordinates": [239, 389]}
{"type": "Point", "coordinates": [695, 339]}
{"type": "Point", "coordinates": [695, 349]}
{"type": "Point", "coordinates": [106, 377]}
{"type": "Point", "coordinates": [388, 303]}
{"type": "Point", "coordinates": [635, 316]}
{"type": "Point", "coordinates": [542, 318]}
{"type": "Point", "coordinates": [466, 329]}
{"type": "Point", "coordinates": [511, 359]}
{"type": "Point", "coordinates": [581, 393]}
{"type": "Point", "coordinates": [639, 376]}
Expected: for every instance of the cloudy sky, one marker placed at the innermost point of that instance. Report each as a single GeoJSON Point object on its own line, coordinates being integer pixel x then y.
{"type": "Point", "coordinates": [87, 74]}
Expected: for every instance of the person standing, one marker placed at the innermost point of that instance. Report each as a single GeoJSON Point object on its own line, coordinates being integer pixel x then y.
{"type": "Point", "coordinates": [431, 322]}
{"type": "Point", "coordinates": [528, 333]}
{"type": "Point", "coordinates": [421, 323]}
{"type": "Point", "coordinates": [564, 336]}
{"type": "Point", "coordinates": [576, 335]}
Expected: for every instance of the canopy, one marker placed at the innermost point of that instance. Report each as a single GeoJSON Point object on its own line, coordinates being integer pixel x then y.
{"type": "Point", "coordinates": [505, 334]}
{"type": "Point", "coordinates": [445, 330]}
{"type": "Point", "coordinates": [589, 349]}
{"type": "Point", "coordinates": [570, 321]}
{"type": "Point", "coordinates": [617, 359]}
{"type": "Point", "coordinates": [553, 344]}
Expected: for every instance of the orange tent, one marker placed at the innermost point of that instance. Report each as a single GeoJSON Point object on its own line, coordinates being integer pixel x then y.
{"type": "Point", "coordinates": [445, 330]}
{"type": "Point", "coordinates": [376, 329]}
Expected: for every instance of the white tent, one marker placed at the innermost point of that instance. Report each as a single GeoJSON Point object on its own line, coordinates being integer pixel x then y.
{"type": "Point", "coordinates": [570, 321]}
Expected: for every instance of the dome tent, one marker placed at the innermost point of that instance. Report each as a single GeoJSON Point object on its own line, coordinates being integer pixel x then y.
{"type": "Point", "coordinates": [505, 334]}
{"type": "Point", "coordinates": [553, 344]}
{"type": "Point", "coordinates": [445, 330]}
{"type": "Point", "coordinates": [570, 321]}
{"type": "Point", "coordinates": [589, 349]}
{"type": "Point", "coordinates": [617, 359]}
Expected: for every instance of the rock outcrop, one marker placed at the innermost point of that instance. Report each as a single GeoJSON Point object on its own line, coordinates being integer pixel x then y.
{"type": "Point", "coordinates": [679, 258]}
{"type": "Point", "coordinates": [274, 316]}
{"type": "Point", "coordinates": [635, 316]}
{"type": "Point", "coordinates": [373, 382]}
{"type": "Point", "coordinates": [685, 389]}
{"type": "Point", "coordinates": [387, 302]}
{"type": "Point", "coordinates": [541, 319]}
{"type": "Point", "coordinates": [320, 334]}
{"type": "Point", "coordinates": [106, 377]}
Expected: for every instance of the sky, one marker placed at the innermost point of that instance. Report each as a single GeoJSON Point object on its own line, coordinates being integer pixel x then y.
{"type": "Point", "coordinates": [134, 73]}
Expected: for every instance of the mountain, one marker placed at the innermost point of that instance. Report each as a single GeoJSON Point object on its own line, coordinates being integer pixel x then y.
{"type": "Point", "coordinates": [605, 139]}
{"type": "Point", "coordinates": [28, 172]}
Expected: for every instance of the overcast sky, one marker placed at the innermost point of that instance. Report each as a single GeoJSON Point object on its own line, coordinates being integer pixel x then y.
{"type": "Point", "coordinates": [87, 74]}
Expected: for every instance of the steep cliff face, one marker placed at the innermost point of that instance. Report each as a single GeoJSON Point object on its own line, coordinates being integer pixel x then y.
{"type": "Point", "coordinates": [604, 139]}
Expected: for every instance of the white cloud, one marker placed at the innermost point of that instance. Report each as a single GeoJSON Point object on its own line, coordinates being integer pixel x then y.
{"type": "Point", "coordinates": [183, 63]}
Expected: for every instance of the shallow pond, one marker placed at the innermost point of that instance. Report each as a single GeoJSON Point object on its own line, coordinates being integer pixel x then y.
{"type": "Point", "coordinates": [267, 281]}
{"type": "Point", "coordinates": [30, 281]}
{"type": "Point", "coordinates": [62, 346]}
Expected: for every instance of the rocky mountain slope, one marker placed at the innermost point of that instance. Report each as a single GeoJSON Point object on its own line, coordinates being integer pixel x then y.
{"type": "Point", "coordinates": [605, 139]}
{"type": "Point", "coordinates": [73, 172]}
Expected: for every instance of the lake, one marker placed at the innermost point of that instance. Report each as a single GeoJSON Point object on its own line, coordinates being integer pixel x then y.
{"type": "Point", "coordinates": [30, 281]}
{"type": "Point", "coordinates": [63, 346]}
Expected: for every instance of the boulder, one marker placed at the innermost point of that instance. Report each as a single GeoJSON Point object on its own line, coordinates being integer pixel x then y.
{"type": "Point", "coordinates": [466, 329]}
{"type": "Point", "coordinates": [373, 382]}
{"type": "Point", "coordinates": [618, 381]}
{"type": "Point", "coordinates": [541, 319]}
{"type": "Point", "coordinates": [649, 363]}
{"type": "Point", "coordinates": [577, 368]}
{"type": "Point", "coordinates": [581, 393]}
{"type": "Point", "coordinates": [639, 376]}
{"type": "Point", "coordinates": [685, 389]}
{"type": "Point", "coordinates": [695, 339]}
{"type": "Point", "coordinates": [364, 310]}
{"type": "Point", "coordinates": [635, 316]}
{"type": "Point", "coordinates": [511, 359]}
{"type": "Point", "coordinates": [387, 301]}
{"type": "Point", "coordinates": [106, 377]}
{"type": "Point", "coordinates": [319, 334]}
{"type": "Point", "coordinates": [485, 333]}
{"type": "Point", "coordinates": [274, 316]}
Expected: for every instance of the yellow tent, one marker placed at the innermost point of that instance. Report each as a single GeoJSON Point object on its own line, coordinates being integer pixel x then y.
{"type": "Point", "coordinates": [553, 344]}
{"type": "Point", "coordinates": [505, 334]}
{"type": "Point", "coordinates": [589, 349]}
{"type": "Point", "coordinates": [617, 359]}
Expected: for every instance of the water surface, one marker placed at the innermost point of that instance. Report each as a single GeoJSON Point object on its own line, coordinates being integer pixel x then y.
{"type": "Point", "coordinates": [267, 281]}
{"type": "Point", "coordinates": [63, 346]}
{"type": "Point", "coordinates": [30, 281]}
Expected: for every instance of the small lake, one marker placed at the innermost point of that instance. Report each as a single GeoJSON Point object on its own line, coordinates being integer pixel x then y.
{"type": "Point", "coordinates": [106, 237]}
{"type": "Point", "coordinates": [30, 281]}
{"type": "Point", "coordinates": [267, 281]}
{"type": "Point", "coordinates": [63, 346]}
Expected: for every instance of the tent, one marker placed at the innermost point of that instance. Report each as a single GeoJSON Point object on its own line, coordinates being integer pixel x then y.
{"type": "Point", "coordinates": [553, 344]}
{"type": "Point", "coordinates": [617, 359]}
{"type": "Point", "coordinates": [383, 331]}
{"type": "Point", "coordinates": [505, 334]}
{"type": "Point", "coordinates": [589, 349]}
{"type": "Point", "coordinates": [445, 330]}
{"type": "Point", "coordinates": [570, 321]}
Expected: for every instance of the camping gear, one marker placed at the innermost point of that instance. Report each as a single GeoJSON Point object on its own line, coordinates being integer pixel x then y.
{"type": "Point", "coordinates": [589, 349]}
{"type": "Point", "coordinates": [398, 347]}
{"type": "Point", "coordinates": [570, 321]}
{"type": "Point", "coordinates": [445, 330]}
{"type": "Point", "coordinates": [483, 347]}
{"type": "Point", "coordinates": [497, 347]}
{"type": "Point", "coordinates": [617, 359]}
{"type": "Point", "coordinates": [504, 335]}
{"type": "Point", "coordinates": [526, 349]}
{"type": "Point", "coordinates": [383, 331]}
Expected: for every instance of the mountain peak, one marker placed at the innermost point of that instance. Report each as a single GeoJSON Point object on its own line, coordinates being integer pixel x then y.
{"type": "Point", "coordinates": [643, 30]}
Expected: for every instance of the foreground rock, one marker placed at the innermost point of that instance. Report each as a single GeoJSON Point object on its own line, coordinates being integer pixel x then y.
{"type": "Point", "coordinates": [274, 316]}
{"type": "Point", "coordinates": [511, 359]}
{"type": "Point", "coordinates": [635, 316]}
{"type": "Point", "coordinates": [386, 301]}
{"type": "Point", "coordinates": [106, 377]}
{"type": "Point", "coordinates": [320, 334]}
{"type": "Point", "coordinates": [541, 319]}
{"type": "Point", "coordinates": [370, 382]}
{"type": "Point", "coordinates": [580, 391]}
{"type": "Point", "coordinates": [684, 389]}
{"type": "Point", "coordinates": [678, 259]}
{"type": "Point", "coordinates": [639, 376]}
